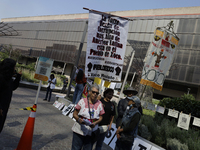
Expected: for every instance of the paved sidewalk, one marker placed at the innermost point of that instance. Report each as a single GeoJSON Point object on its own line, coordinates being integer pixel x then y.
{"type": "Point", "coordinates": [52, 129]}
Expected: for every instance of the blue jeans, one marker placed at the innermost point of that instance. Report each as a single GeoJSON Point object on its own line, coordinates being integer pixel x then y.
{"type": "Point", "coordinates": [49, 91]}
{"type": "Point", "coordinates": [99, 143]}
{"type": "Point", "coordinates": [123, 145]}
{"type": "Point", "coordinates": [78, 93]}
{"type": "Point", "coordinates": [79, 142]}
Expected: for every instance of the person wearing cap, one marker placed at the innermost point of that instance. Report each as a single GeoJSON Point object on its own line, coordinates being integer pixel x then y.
{"type": "Point", "coordinates": [129, 125]}
{"type": "Point", "coordinates": [121, 108]}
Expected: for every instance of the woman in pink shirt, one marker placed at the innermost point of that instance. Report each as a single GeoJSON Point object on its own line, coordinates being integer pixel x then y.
{"type": "Point", "coordinates": [88, 114]}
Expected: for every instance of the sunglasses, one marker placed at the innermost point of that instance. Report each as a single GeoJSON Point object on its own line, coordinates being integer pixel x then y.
{"type": "Point", "coordinates": [95, 92]}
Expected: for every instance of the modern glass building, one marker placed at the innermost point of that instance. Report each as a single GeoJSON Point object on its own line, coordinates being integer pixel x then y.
{"type": "Point", "coordinates": [58, 37]}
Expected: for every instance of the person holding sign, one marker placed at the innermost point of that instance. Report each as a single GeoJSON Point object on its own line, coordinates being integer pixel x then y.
{"type": "Point", "coordinates": [9, 81]}
{"type": "Point", "coordinates": [88, 114]}
{"type": "Point", "coordinates": [50, 87]}
{"type": "Point", "coordinates": [129, 92]}
{"type": "Point", "coordinates": [128, 127]}
{"type": "Point", "coordinates": [108, 117]}
{"type": "Point", "coordinates": [80, 83]}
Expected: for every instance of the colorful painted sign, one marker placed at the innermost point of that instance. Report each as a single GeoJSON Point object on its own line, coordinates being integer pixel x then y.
{"type": "Point", "coordinates": [159, 58]}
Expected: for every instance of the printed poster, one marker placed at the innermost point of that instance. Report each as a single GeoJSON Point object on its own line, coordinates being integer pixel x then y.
{"type": "Point", "coordinates": [151, 106]}
{"type": "Point", "coordinates": [196, 122]}
{"type": "Point", "coordinates": [173, 113]}
{"type": "Point", "coordinates": [160, 109]}
{"type": "Point", "coordinates": [184, 121]}
{"type": "Point", "coordinates": [43, 69]}
{"type": "Point", "coordinates": [106, 45]}
{"type": "Point", "coordinates": [159, 58]}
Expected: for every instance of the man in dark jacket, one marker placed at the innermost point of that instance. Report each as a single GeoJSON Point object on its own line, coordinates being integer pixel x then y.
{"type": "Point", "coordinates": [128, 127]}
{"type": "Point", "coordinates": [121, 108]}
{"type": "Point", "coordinates": [9, 81]}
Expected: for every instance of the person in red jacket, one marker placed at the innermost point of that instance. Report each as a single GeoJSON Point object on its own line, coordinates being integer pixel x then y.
{"type": "Point", "coordinates": [80, 82]}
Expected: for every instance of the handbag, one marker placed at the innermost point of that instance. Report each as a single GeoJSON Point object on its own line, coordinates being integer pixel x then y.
{"type": "Point", "coordinates": [95, 134]}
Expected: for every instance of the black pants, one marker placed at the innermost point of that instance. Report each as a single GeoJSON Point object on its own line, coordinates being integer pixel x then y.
{"type": "Point", "coordinates": [49, 91]}
{"type": "Point", "coordinates": [3, 119]}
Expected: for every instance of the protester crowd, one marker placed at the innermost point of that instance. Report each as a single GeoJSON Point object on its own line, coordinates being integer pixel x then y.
{"type": "Point", "coordinates": [94, 114]}
{"type": "Point", "coordinates": [94, 117]}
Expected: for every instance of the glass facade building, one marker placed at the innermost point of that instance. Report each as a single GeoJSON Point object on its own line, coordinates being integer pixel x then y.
{"type": "Point", "coordinates": [60, 40]}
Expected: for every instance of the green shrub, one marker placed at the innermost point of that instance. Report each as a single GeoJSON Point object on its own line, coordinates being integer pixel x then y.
{"type": "Point", "coordinates": [185, 103]}
{"type": "Point", "coordinates": [174, 144]}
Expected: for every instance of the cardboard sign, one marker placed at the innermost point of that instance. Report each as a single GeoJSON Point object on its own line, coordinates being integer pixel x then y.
{"type": "Point", "coordinates": [43, 69]}
{"type": "Point", "coordinates": [141, 145]}
{"type": "Point", "coordinates": [68, 110]}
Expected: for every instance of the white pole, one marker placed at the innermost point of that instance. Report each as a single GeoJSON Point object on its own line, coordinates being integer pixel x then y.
{"type": "Point", "coordinates": [130, 63]}
{"type": "Point", "coordinates": [38, 91]}
{"type": "Point", "coordinates": [132, 79]}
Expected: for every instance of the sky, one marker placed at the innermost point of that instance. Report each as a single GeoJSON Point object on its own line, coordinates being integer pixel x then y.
{"type": "Point", "coordinates": [24, 8]}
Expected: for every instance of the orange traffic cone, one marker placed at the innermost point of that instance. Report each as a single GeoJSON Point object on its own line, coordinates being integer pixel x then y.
{"type": "Point", "coordinates": [25, 142]}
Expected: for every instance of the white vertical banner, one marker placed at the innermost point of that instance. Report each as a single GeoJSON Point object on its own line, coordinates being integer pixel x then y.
{"type": "Point", "coordinates": [159, 58]}
{"type": "Point", "coordinates": [106, 45]}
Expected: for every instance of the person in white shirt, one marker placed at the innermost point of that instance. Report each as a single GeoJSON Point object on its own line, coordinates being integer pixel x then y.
{"type": "Point", "coordinates": [50, 87]}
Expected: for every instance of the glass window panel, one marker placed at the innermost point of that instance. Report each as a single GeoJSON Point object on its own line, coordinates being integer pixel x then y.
{"type": "Point", "coordinates": [175, 74]}
{"type": "Point", "coordinates": [186, 25]}
{"type": "Point", "coordinates": [178, 56]}
{"type": "Point", "coordinates": [68, 26]}
{"type": "Point", "coordinates": [176, 23]}
{"type": "Point", "coordinates": [188, 42]}
{"type": "Point", "coordinates": [147, 37]}
{"type": "Point", "coordinates": [193, 57]}
{"type": "Point", "coordinates": [182, 73]}
{"type": "Point", "coordinates": [85, 36]}
{"type": "Point", "coordinates": [170, 74]}
{"type": "Point", "coordinates": [185, 57]}
{"type": "Point", "coordinates": [144, 26]}
{"type": "Point", "coordinates": [196, 43]}
{"type": "Point", "coordinates": [196, 78]}
{"type": "Point", "coordinates": [161, 23]}
{"type": "Point", "coordinates": [136, 36]}
{"type": "Point", "coordinates": [149, 26]}
{"type": "Point", "coordinates": [141, 37]}
{"type": "Point", "coordinates": [128, 51]}
{"type": "Point", "coordinates": [154, 25]}
{"type": "Point", "coordinates": [190, 72]}
{"type": "Point", "coordinates": [198, 26]}
{"type": "Point", "coordinates": [138, 26]}
{"type": "Point", "coordinates": [132, 26]}
{"type": "Point", "coordinates": [198, 59]}
{"type": "Point", "coordinates": [183, 39]}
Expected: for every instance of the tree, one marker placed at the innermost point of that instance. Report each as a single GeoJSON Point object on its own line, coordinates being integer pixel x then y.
{"type": "Point", "coordinates": [7, 51]}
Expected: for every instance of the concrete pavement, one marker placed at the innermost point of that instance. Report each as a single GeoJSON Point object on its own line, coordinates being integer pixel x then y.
{"type": "Point", "coordinates": [52, 129]}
